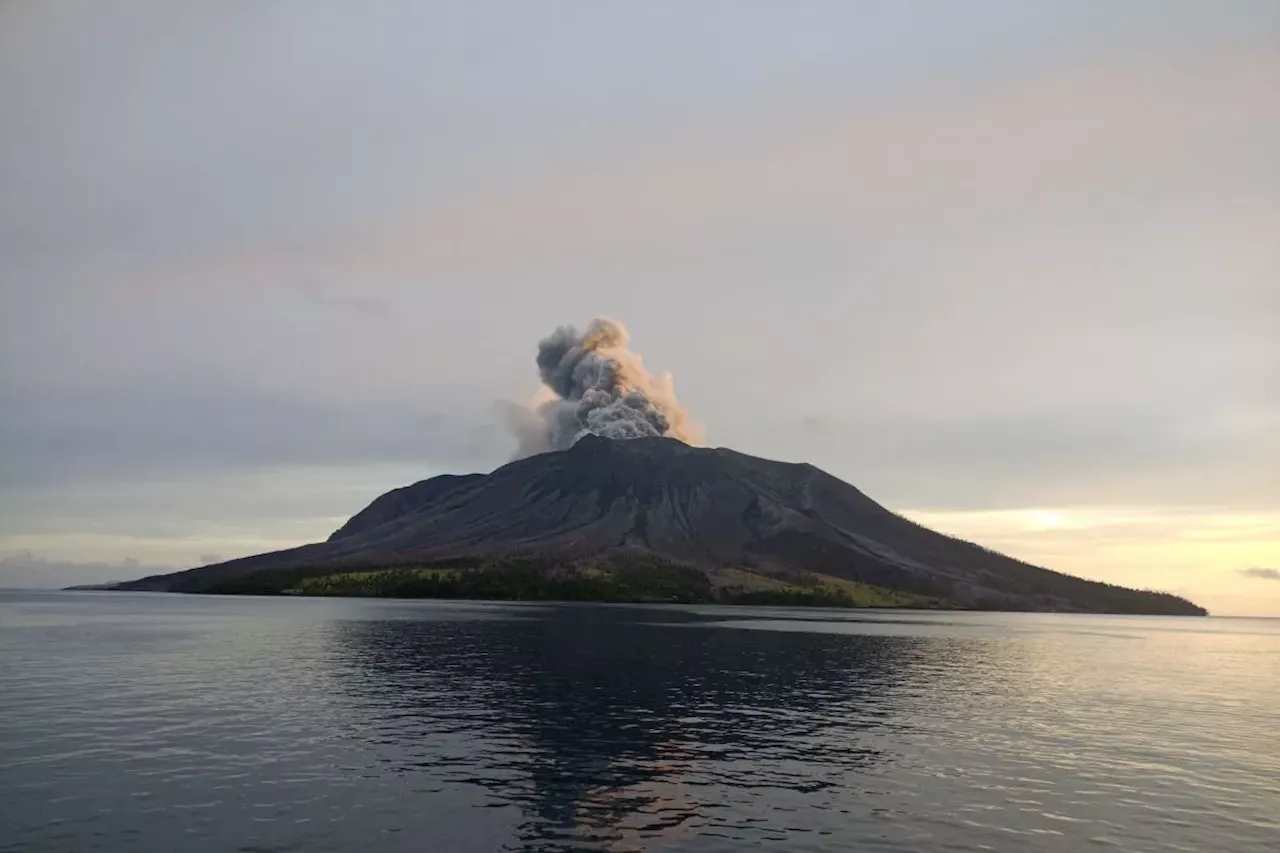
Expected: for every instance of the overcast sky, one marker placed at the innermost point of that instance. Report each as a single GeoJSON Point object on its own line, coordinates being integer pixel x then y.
{"type": "Point", "coordinates": [1012, 268]}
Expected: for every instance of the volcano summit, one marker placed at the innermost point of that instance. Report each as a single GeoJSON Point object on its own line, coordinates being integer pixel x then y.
{"type": "Point", "coordinates": [653, 518]}
{"type": "Point", "coordinates": [609, 499]}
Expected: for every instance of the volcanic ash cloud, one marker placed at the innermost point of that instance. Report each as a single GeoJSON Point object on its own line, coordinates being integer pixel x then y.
{"type": "Point", "coordinates": [595, 385]}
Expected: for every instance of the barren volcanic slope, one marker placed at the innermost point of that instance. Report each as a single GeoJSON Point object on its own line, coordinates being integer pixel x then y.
{"type": "Point", "coordinates": [658, 501]}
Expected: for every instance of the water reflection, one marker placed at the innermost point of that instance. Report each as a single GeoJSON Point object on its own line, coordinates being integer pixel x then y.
{"type": "Point", "coordinates": [159, 723]}
{"type": "Point", "coordinates": [630, 729]}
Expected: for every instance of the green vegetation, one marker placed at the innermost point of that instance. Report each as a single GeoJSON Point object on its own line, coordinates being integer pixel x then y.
{"type": "Point", "coordinates": [517, 583]}
{"type": "Point", "coordinates": [742, 586]}
{"type": "Point", "coordinates": [391, 583]}
{"type": "Point", "coordinates": [635, 580]}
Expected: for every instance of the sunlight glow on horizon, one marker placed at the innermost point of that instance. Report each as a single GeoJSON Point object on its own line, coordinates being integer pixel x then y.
{"type": "Point", "coordinates": [1197, 553]}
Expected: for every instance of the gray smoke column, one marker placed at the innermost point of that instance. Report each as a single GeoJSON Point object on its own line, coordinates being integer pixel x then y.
{"type": "Point", "coordinates": [601, 387]}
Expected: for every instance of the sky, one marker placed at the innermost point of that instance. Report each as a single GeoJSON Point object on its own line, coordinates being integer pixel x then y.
{"type": "Point", "coordinates": [1010, 267]}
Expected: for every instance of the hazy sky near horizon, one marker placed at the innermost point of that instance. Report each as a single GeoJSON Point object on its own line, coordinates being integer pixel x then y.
{"type": "Point", "coordinates": [1010, 267]}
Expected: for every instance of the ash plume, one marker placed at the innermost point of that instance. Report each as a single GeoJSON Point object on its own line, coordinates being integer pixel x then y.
{"type": "Point", "coordinates": [593, 384]}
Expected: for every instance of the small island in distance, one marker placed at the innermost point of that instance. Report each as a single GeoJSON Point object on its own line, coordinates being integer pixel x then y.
{"type": "Point", "coordinates": [653, 519]}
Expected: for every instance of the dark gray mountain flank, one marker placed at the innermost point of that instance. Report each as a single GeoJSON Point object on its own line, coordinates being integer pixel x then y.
{"type": "Point", "coordinates": [649, 504]}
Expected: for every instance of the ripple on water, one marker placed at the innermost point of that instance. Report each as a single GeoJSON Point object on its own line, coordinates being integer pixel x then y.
{"type": "Point", "coordinates": [161, 723]}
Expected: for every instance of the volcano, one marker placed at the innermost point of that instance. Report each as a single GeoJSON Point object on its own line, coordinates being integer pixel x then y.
{"type": "Point", "coordinates": [658, 502]}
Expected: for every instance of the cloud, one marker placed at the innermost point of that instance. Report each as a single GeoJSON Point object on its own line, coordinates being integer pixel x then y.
{"type": "Point", "coordinates": [819, 425]}
{"type": "Point", "coordinates": [1073, 141]}
{"type": "Point", "coordinates": [1035, 283]}
{"type": "Point", "coordinates": [1157, 547]}
{"type": "Point", "coordinates": [1176, 455]}
{"type": "Point", "coordinates": [27, 570]}
{"type": "Point", "coordinates": [189, 428]}
{"type": "Point", "coordinates": [1264, 574]}
{"type": "Point", "coordinates": [1034, 198]}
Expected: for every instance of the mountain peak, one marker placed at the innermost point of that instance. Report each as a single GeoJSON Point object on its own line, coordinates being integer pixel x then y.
{"type": "Point", "coordinates": [703, 508]}
{"type": "Point", "coordinates": [647, 444]}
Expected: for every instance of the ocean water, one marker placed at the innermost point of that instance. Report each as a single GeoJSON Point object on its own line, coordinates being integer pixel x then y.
{"type": "Point", "coordinates": [135, 722]}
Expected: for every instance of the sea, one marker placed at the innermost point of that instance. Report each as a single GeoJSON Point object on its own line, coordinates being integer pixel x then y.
{"type": "Point", "coordinates": [159, 723]}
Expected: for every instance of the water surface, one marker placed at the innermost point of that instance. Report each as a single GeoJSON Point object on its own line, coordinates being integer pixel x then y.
{"type": "Point", "coordinates": [136, 722]}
